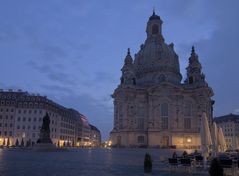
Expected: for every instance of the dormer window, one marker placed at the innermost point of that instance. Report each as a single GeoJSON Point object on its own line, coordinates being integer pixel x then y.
{"type": "Point", "coordinates": [155, 29]}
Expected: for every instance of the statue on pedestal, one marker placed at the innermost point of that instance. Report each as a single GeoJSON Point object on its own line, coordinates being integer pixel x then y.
{"type": "Point", "coordinates": [45, 131]}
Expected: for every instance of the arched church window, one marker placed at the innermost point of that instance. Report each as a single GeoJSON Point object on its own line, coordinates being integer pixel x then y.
{"type": "Point", "coordinates": [140, 123]}
{"type": "Point", "coordinates": [134, 81]}
{"type": "Point", "coordinates": [190, 80]}
{"type": "Point", "coordinates": [155, 29]}
{"type": "Point", "coordinates": [164, 109]}
{"type": "Point", "coordinates": [188, 109]}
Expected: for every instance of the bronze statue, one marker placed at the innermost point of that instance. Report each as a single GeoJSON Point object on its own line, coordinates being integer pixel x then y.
{"type": "Point", "coordinates": [45, 130]}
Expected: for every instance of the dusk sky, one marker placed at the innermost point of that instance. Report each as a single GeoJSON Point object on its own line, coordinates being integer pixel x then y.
{"type": "Point", "coordinates": [72, 50]}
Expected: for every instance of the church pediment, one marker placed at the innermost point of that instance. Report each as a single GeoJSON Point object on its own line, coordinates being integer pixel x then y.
{"type": "Point", "coordinates": [164, 88]}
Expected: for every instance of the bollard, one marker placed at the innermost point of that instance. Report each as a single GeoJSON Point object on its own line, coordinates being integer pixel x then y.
{"type": "Point", "coordinates": [147, 163]}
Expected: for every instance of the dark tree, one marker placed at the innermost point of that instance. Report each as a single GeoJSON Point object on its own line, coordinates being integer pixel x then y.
{"type": "Point", "coordinates": [28, 143]}
{"type": "Point", "coordinates": [8, 142]}
{"type": "Point", "coordinates": [22, 143]}
{"type": "Point", "coordinates": [215, 168]}
{"type": "Point", "coordinates": [17, 143]}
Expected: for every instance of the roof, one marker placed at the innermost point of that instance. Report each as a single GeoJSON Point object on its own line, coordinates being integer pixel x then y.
{"type": "Point", "coordinates": [94, 128]}
{"type": "Point", "coordinates": [227, 118]}
{"type": "Point", "coordinates": [154, 17]}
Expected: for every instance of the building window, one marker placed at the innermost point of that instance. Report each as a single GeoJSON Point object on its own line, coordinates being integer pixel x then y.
{"type": "Point", "coordinates": [121, 123]}
{"type": "Point", "coordinates": [188, 109]}
{"type": "Point", "coordinates": [140, 123]}
{"type": "Point", "coordinates": [187, 123]}
{"type": "Point", "coordinates": [164, 109]}
{"type": "Point", "coordinates": [24, 119]}
{"type": "Point", "coordinates": [164, 122]}
{"type": "Point", "coordinates": [19, 119]}
{"type": "Point", "coordinates": [155, 29]}
{"type": "Point", "coordinates": [29, 119]}
{"type": "Point", "coordinates": [23, 127]}
{"type": "Point", "coordinates": [18, 127]}
{"type": "Point", "coordinates": [140, 139]}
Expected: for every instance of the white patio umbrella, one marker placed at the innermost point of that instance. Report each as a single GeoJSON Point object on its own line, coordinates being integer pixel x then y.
{"type": "Point", "coordinates": [215, 143]}
{"type": "Point", "coordinates": [221, 140]}
{"type": "Point", "coordinates": [206, 140]}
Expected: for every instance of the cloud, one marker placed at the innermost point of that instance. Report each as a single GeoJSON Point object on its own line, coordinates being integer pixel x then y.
{"type": "Point", "coordinates": [236, 111]}
{"type": "Point", "coordinates": [54, 72]}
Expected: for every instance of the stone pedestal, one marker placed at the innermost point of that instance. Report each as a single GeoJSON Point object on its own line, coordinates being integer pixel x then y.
{"type": "Point", "coordinates": [44, 142]}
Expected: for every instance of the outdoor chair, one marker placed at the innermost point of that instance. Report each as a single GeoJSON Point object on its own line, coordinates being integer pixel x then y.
{"type": "Point", "coordinates": [226, 163]}
{"type": "Point", "coordinates": [227, 166]}
{"type": "Point", "coordinates": [199, 160]}
{"type": "Point", "coordinates": [186, 163]}
{"type": "Point", "coordinates": [173, 162]}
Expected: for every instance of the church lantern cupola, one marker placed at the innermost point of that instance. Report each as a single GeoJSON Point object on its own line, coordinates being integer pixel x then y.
{"type": "Point", "coordinates": [154, 27]}
{"type": "Point", "coordinates": [194, 70]}
{"type": "Point", "coordinates": [128, 76]}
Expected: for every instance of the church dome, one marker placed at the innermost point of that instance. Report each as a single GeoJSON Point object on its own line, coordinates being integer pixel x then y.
{"type": "Point", "coordinates": [156, 61]}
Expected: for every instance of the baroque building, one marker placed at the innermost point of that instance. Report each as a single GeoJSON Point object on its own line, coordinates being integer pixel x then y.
{"type": "Point", "coordinates": [230, 126]}
{"type": "Point", "coordinates": [21, 115]}
{"type": "Point", "coordinates": [152, 106]}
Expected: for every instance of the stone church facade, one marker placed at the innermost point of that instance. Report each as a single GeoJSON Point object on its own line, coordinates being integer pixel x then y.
{"type": "Point", "coordinates": [152, 107]}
